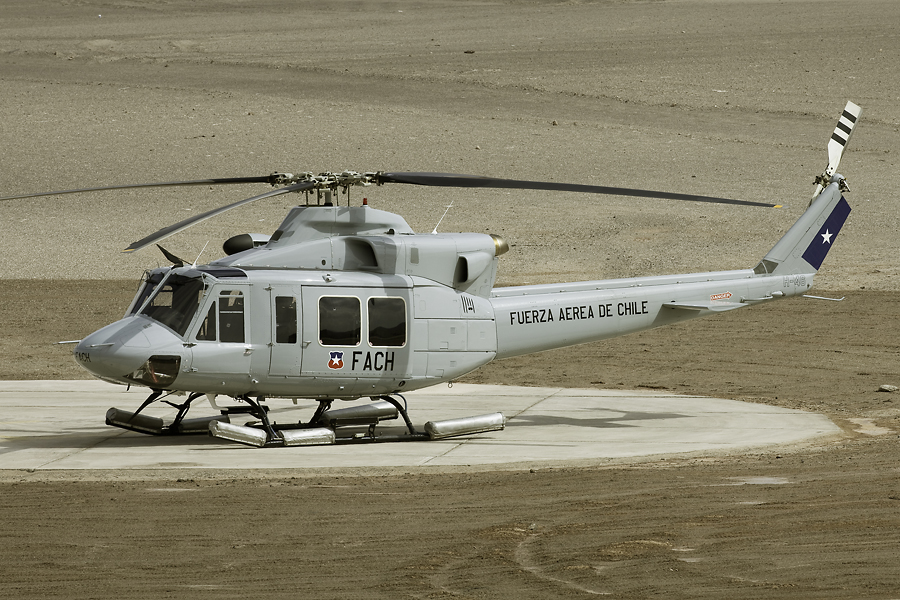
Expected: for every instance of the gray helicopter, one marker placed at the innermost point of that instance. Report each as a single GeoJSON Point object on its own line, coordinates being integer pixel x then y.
{"type": "Point", "coordinates": [348, 302]}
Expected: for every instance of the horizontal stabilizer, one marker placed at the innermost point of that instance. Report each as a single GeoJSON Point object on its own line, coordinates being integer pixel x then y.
{"type": "Point", "coordinates": [713, 306]}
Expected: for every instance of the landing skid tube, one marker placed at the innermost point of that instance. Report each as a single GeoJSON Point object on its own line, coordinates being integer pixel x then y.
{"type": "Point", "coordinates": [135, 421]}
{"type": "Point", "coordinates": [326, 427]}
{"type": "Point", "coordinates": [330, 426]}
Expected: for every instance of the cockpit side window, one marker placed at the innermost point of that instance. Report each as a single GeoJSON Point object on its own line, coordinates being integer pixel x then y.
{"type": "Point", "coordinates": [224, 320]}
{"type": "Point", "coordinates": [175, 303]}
{"type": "Point", "coordinates": [208, 331]}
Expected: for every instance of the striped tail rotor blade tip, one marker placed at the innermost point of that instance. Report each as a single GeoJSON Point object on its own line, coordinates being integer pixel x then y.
{"type": "Point", "coordinates": [841, 135]}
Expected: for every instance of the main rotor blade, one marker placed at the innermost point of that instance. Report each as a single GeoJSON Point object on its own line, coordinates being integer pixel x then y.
{"type": "Point", "coordinates": [477, 181]}
{"type": "Point", "coordinates": [221, 181]}
{"type": "Point", "coordinates": [173, 229]}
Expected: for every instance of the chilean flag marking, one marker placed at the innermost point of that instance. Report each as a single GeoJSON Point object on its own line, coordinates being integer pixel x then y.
{"type": "Point", "coordinates": [821, 243]}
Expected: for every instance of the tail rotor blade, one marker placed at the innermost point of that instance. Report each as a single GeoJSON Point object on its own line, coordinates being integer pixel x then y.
{"type": "Point", "coordinates": [841, 136]}
{"type": "Point", "coordinates": [837, 144]}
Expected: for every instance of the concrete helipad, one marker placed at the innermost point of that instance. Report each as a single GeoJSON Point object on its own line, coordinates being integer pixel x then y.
{"type": "Point", "coordinates": [46, 425]}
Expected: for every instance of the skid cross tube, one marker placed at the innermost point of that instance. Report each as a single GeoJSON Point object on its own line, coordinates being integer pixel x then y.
{"type": "Point", "coordinates": [324, 405]}
{"type": "Point", "coordinates": [272, 437]}
{"type": "Point", "coordinates": [153, 397]}
{"type": "Point", "coordinates": [182, 411]}
{"type": "Point", "coordinates": [403, 413]}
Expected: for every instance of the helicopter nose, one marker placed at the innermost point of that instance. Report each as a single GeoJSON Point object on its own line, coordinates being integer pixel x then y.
{"type": "Point", "coordinates": [130, 351]}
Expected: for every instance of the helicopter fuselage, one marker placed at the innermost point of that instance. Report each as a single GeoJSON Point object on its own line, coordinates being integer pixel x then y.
{"type": "Point", "coordinates": [293, 334]}
{"type": "Point", "coordinates": [335, 305]}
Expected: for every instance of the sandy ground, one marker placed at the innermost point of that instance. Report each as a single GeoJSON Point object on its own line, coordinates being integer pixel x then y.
{"type": "Point", "coordinates": [733, 99]}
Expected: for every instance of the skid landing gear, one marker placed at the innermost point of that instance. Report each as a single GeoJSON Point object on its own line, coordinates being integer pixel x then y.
{"type": "Point", "coordinates": [327, 426]}
{"type": "Point", "coordinates": [135, 421]}
{"type": "Point", "coordinates": [354, 425]}
{"type": "Point", "coordinates": [345, 426]}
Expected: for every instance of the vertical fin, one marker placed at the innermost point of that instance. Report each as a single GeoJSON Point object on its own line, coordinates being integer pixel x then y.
{"type": "Point", "coordinates": [820, 244]}
{"type": "Point", "coordinates": [804, 246]}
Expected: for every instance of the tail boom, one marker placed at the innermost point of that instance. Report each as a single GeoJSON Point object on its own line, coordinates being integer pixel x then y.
{"type": "Point", "coordinates": [535, 318]}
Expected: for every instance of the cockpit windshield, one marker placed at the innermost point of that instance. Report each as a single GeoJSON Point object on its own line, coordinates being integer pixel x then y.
{"type": "Point", "coordinates": [174, 303]}
{"type": "Point", "coordinates": [148, 286]}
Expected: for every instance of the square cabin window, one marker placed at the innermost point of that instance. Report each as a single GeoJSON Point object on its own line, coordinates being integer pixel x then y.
{"type": "Point", "coordinates": [339, 321]}
{"type": "Point", "coordinates": [387, 321]}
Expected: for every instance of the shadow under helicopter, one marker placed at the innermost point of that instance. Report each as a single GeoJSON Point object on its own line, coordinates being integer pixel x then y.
{"type": "Point", "coordinates": [619, 419]}
{"type": "Point", "coordinates": [85, 437]}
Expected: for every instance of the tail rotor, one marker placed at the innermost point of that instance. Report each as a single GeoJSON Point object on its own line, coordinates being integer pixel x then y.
{"type": "Point", "coordinates": [837, 143]}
